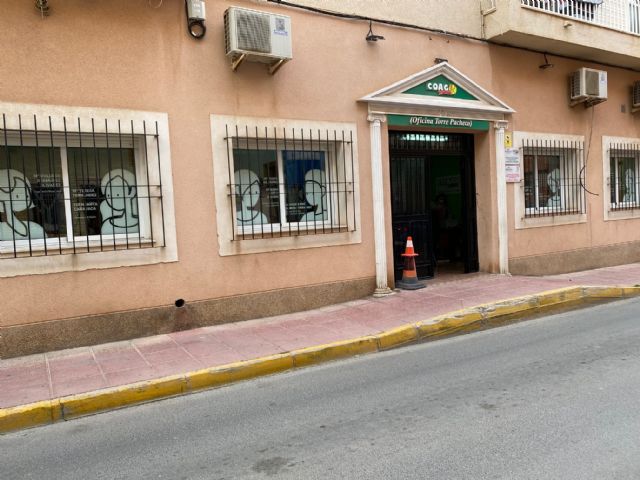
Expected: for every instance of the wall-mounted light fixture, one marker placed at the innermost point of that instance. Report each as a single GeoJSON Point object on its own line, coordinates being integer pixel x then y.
{"type": "Point", "coordinates": [371, 37]}
{"type": "Point", "coordinates": [546, 63]}
{"type": "Point", "coordinates": [195, 18]}
{"type": "Point", "coordinates": [43, 6]}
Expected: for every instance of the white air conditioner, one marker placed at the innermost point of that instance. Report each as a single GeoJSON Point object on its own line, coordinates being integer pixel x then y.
{"type": "Point", "coordinates": [588, 86]}
{"type": "Point", "coordinates": [635, 97]}
{"type": "Point", "coordinates": [257, 36]}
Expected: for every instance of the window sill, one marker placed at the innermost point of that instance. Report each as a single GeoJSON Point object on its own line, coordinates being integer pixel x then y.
{"type": "Point", "coordinates": [622, 213]}
{"type": "Point", "coordinates": [550, 221]}
{"type": "Point", "coordinates": [282, 241]}
{"type": "Point", "coordinates": [68, 248]}
{"type": "Point", "coordinates": [37, 262]}
{"type": "Point", "coordinates": [260, 234]}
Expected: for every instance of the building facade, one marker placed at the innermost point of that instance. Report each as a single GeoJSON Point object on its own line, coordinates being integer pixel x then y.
{"type": "Point", "coordinates": [151, 181]}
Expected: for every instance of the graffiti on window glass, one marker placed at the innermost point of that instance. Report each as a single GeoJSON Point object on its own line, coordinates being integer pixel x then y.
{"type": "Point", "coordinates": [119, 209]}
{"type": "Point", "coordinates": [305, 181]}
{"type": "Point", "coordinates": [553, 182]}
{"type": "Point", "coordinates": [256, 186]}
{"type": "Point", "coordinates": [315, 194]}
{"type": "Point", "coordinates": [627, 171]}
{"type": "Point", "coordinates": [16, 198]}
{"type": "Point", "coordinates": [248, 191]}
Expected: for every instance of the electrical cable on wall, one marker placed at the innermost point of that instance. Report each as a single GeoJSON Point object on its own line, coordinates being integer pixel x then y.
{"type": "Point", "coordinates": [586, 158]}
{"type": "Point", "coordinates": [435, 31]}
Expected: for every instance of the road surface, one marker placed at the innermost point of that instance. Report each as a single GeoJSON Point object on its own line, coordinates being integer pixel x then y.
{"type": "Point", "coordinates": [553, 398]}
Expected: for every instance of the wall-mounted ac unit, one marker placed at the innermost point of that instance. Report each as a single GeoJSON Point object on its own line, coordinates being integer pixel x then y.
{"type": "Point", "coordinates": [588, 86]}
{"type": "Point", "coordinates": [635, 97]}
{"type": "Point", "coordinates": [257, 36]}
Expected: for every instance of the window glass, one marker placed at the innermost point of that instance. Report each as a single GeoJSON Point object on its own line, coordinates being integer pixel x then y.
{"type": "Point", "coordinates": [305, 181]}
{"type": "Point", "coordinates": [549, 181]}
{"type": "Point", "coordinates": [104, 196]}
{"type": "Point", "coordinates": [613, 170]}
{"type": "Point", "coordinates": [31, 193]}
{"type": "Point", "coordinates": [542, 181]}
{"type": "Point", "coordinates": [530, 181]}
{"type": "Point", "coordinates": [627, 179]}
{"type": "Point", "coordinates": [256, 186]}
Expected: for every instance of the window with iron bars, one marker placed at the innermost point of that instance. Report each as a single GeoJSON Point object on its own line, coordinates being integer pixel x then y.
{"type": "Point", "coordinates": [290, 182]}
{"type": "Point", "coordinates": [92, 185]}
{"type": "Point", "coordinates": [553, 178]}
{"type": "Point", "coordinates": [624, 167]}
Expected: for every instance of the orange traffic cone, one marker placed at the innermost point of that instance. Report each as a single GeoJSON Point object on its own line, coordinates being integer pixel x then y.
{"type": "Point", "coordinates": [409, 275]}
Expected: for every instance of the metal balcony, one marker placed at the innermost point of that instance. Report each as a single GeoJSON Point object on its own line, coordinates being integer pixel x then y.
{"type": "Point", "coordinates": [601, 31]}
{"type": "Point", "coordinates": [621, 15]}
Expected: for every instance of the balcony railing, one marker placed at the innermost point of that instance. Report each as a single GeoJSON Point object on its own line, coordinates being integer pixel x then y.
{"type": "Point", "coordinates": [622, 15]}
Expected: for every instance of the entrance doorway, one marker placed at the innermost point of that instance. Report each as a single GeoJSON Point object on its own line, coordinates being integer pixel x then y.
{"type": "Point", "coordinates": [433, 200]}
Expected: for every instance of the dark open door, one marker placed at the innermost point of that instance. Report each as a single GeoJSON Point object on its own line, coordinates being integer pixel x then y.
{"type": "Point", "coordinates": [411, 212]}
{"type": "Point", "coordinates": [428, 170]}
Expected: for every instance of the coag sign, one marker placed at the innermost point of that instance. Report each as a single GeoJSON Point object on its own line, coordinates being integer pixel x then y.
{"type": "Point", "coordinates": [442, 88]}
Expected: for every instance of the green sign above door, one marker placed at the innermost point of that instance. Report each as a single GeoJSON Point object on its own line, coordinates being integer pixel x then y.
{"type": "Point", "coordinates": [437, 122]}
{"type": "Point", "coordinates": [440, 86]}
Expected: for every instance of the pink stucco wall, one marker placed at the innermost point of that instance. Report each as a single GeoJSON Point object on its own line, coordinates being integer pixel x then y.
{"type": "Point", "coordinates": [124, 54]}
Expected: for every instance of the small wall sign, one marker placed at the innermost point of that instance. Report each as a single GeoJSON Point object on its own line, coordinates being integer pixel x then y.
{"type": "Point", "coordinates": [512, 165]}
{"type": "Point", "coordinates": [438, 122]}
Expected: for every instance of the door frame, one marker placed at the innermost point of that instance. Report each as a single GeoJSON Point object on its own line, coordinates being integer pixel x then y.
{"type": "Point", "coordinates": [398, 99]}
{"type": "Point", "coordinates": [465, 155]}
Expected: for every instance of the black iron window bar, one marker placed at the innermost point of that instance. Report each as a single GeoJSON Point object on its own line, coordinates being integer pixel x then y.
{"type": "Point", "coordinates": [553, 178]}
{"type": "Point", "coordinates": [624, 183]}
{"type": "Point", "coordinates": [290, 182]}
{"type": "Point", "coordinates": [92, 186]}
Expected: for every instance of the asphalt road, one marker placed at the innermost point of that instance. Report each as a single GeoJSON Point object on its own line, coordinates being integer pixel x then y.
{"type": "Point", "coordinates": [552, 398]}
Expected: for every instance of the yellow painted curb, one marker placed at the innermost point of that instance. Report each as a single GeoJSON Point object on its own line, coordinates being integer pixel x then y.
{"type": "Point", "coordinates": [603, 292]}
{"type": "Point", "coordinates": [463, 320]}
{"type": "Point", "coordinates": [93, 402]}
{"type": "Point", "coordinates": [333, 351]}
{"type": "Point", "coordinates": [510, 307]}
{"type": "Point", "coordinates": [31, 415]}
{"type": "Point", "coordinates": [397, 336]}
{"type": "Point", "coordinates": [234, 372]}
{"type": "Point", "coordinates": [51, 411]}
{"type": "Point", "coordinates": [630, 291]}
{"type": "Point", "coordinates": [561, 295]}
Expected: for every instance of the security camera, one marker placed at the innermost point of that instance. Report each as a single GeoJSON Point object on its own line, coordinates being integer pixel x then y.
{"type": "Point", "coordinates": [195, 18]}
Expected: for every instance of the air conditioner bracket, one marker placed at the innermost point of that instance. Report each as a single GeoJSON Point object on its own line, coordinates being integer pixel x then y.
{"type": "Point", "coordinates": [273, 68]}
{"type": "Point", "coordinates": [235, 63]}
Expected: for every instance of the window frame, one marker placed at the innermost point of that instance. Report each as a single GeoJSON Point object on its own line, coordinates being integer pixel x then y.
{"type": "Point", "coordinates": [617, 203]}
{"type": "Point", "coordinates": [619, 210]}
{"type": "Point", "coordinates": [549, 216]}
{"type": "Point", "coordinates": [285, 226]}
{"type": "Point", "coordinates": [57, 254]}
{"type": "Point", "coordinates": [562, 209]}
{"type": "Point", "coordinates": [223, 128]}
{"type": "Point", "coordinates": [75, 140]}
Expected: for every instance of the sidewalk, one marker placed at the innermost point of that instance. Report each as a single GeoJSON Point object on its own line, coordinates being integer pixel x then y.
{"type": "Point", "coordinates": [25, 380]}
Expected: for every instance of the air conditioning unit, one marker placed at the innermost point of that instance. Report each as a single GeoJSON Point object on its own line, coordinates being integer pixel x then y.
{"type": "Point", "coordinates": [635, 97]}
{"type": "Point", "coordinates": [588, 86]}
{"type": "Point", "coordinates": [257, 36]}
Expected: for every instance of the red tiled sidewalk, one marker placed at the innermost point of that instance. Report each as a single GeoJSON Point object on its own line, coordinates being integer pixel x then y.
{"type": "Point", "coordinates": [41, 377]}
